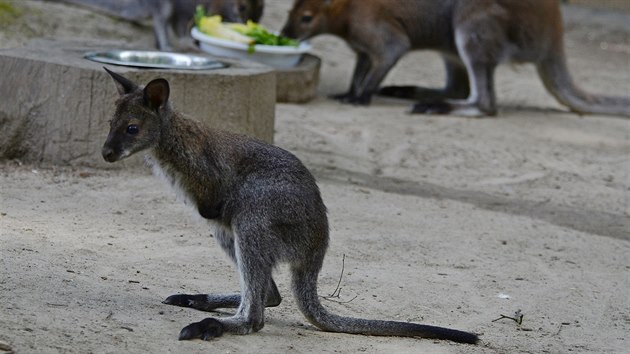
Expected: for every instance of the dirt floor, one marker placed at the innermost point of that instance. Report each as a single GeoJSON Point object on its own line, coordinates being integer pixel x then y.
{"type": "Point", "coordinates": [442, 220]}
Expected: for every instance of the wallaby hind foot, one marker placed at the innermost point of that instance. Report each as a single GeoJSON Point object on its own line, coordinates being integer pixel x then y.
{"type": "Point", "coordinates": [210, 302]}
{"type": "Point", "coordinates": [206, 329]}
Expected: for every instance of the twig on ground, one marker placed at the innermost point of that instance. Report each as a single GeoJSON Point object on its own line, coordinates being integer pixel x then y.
{"type": "Point", "coordinates": [338, 289]}
{"type": "Point", "coordinates": [518, 317]}
{"type": "Point", "coordinates": [337, 292]}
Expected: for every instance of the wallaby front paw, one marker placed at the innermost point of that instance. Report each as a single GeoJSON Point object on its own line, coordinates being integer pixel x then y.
{"type": "Point", "coordinates": [206, 329]}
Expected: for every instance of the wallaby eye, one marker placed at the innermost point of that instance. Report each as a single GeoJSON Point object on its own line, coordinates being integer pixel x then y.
{"type": "Point", "coordinates": [132, 129]}
{"type": "Point", "coordinates": [307, 18]}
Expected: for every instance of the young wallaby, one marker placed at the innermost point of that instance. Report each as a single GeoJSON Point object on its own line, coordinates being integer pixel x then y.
{"type": "Point", "coordinates": [264, 204]}
{"type": "Point", "coordinates": [473, 36]}
{"type": "Point", "coordinates": [174, 14]}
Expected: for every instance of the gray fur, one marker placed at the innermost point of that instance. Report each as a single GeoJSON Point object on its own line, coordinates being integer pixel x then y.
{"type": "Point", "coordinates": [176, 15]}
{"type": "Point", "coordinates": [263, 202]}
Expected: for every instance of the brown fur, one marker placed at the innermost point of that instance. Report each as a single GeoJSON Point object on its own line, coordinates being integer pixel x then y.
{"type": "Point", "coordinates": [473, 36]}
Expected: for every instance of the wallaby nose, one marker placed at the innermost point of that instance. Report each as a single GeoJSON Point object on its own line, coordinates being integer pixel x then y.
{"type": "Point", "coordinates": [287, 32]}
{"type": "Point", "coordinates": [108, 154]}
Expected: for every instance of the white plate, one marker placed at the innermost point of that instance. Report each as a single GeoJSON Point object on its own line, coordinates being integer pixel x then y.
{"type": "Point", "coordinates": [274, 56]}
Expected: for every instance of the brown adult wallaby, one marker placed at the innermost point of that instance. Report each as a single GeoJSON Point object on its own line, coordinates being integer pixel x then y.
{"type": "Point", "coordinates": [264, 204]}
{"type": "Point", "coordinates": [473, 36]}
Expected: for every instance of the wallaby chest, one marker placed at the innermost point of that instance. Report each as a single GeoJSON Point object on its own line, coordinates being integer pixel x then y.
{"type": "Point", "coordinates": [207, 206]}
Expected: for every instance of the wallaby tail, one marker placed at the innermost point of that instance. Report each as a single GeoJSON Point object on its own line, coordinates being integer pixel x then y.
{"type": "Point", "coordinates": [556, 78]}
{"type": "Point", "coordinates": [305, 289]}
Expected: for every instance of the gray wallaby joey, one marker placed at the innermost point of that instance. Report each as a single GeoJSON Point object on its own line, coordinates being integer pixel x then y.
{"type": "Point", "coordinates": [263, 203]}
{"type": "Point", "coordinates": [174, 14]}
{"type": "Point", "coordinates": [473, 37]}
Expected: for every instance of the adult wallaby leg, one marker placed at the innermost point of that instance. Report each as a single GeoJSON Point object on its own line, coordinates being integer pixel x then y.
{"type": "Point", "coordinates": [255, 275]}
{"type": "Point", "coordinates": [210, 302]}
{"type": "Point", "coordinates": [360, 70]}
{"type": "Point", "coordinates": [480, 102]}
{"type": "Point", "coordinates": [161, 11]}
{"type": "Point", "coordinates": [457, 85]}
{"type": "Point", "coordinates": [480, 45]}
{"type": "Point", "coordinates": [381, 64]}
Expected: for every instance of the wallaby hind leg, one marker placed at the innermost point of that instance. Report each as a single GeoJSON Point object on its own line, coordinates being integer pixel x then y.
{"type": "Point", "coordinates": [457, 85]}
{"type": "Point", "coordinates": [480, 102]}
{"type": "Point", "coordinates": [374, 61]}
{"type": "Point", "coordinates": [360, 70]}
{"type": "Point", "coordinates": [255, 277]}
{"type": "Point", "coordinates": [161, 12]}
{"type": "Point", "coordinates": [210, 302]}
{"type": "Point", "coordinates": [380, 64]}
{"type": "Point", "coordinates": [480, 47]}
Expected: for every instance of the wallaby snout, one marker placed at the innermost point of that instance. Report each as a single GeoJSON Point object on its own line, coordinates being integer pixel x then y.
{"type": "Point", "coordinates": [108, 154]}
{"type": "Point", "coordinates": [287, 31]}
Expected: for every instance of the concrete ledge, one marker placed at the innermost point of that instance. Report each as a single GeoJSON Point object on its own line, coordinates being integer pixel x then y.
{"type": "Point", "coordinates": [55, 105]}
{"type": "Point", "coordinates": [299, 84]}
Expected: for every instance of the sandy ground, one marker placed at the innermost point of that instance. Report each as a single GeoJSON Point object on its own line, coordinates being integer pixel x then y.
{"type": "Point", "coordinates": [442, 220]}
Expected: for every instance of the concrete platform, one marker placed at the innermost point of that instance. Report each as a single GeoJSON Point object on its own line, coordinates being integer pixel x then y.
{"type": "Point", "coordinates": [55, 105]}
{"type": "Point", "coordinates": [298, 84]}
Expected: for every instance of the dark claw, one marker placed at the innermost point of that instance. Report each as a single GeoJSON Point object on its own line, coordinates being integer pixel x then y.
{"type": "Point", "coordinates": [207, 329]}
{"type": "Point", "coordinates": [431, 108]}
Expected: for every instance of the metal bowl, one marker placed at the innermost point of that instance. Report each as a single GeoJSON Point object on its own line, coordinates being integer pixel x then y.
{"type": "Point", "coordinates": [155, 59]}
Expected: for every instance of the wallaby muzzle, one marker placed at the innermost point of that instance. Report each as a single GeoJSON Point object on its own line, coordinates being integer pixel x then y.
{"type": "Point", "coordinates": [111, 154]}
{"type": "Point", "coordinates": [108, 154]}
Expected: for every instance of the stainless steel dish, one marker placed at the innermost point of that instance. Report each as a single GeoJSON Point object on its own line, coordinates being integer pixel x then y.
{"type": "Point", "coordinates": [155, 59]}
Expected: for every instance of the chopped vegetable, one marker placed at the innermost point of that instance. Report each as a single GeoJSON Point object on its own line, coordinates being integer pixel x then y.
{"type": "Point", "coordinates": [212, 26]}
{"type": "Point", "coordinates": [250, 33]}
{"type": "Point", "coordinates": [261, 35]}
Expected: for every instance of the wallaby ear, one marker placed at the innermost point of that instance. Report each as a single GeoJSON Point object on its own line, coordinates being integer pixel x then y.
{"type": "Point", "coordinates": [156, 93]}
{"type": "Point", "coordinates": [123, 84]}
